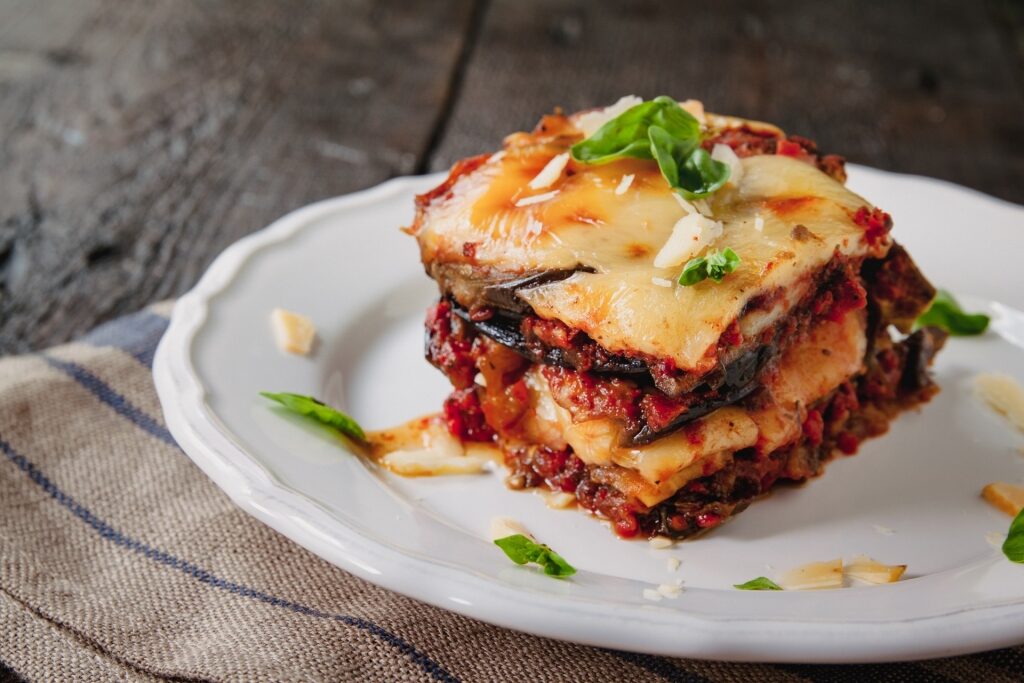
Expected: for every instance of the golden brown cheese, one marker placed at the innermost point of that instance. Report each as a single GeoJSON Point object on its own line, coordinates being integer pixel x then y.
{"type": "Point", "coordinates": [578, 219]}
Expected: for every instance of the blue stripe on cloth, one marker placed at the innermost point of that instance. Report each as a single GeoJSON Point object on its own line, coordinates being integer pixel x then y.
{"type": "Point", "coordinates": [136, 334]}
{"type": "Point", "coordinates": [107, 532]}
{"type": "Point", "coordinates": [659, 666]}
{"type": "Point", "coordinates": [105, 393]}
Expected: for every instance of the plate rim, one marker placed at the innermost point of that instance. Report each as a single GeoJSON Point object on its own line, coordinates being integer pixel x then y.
{"type": "Point", "coordinates": [210, 445]}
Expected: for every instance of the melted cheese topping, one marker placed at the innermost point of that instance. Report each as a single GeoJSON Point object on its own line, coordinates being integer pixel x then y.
{"type": "Point", "coordinates": [581, 220]}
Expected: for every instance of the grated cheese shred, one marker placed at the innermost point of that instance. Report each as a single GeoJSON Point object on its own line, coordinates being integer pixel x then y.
{"type": "Point", "coordinates": [550, 173]}
{"type": "Point", "coordinates": [536, 199]}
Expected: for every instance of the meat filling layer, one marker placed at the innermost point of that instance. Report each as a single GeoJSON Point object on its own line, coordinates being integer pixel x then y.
{"type": "Point", "coordinates": [573, 430]}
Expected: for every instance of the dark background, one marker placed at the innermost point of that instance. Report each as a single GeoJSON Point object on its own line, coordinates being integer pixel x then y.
{"type": "Point", "coordinates": [140, 138]}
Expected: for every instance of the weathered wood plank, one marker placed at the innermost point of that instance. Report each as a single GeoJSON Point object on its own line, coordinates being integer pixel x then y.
{"type": "Point", "coordinates": [924, 88]}
{"type": "Point", "coordinates": [140, 138]}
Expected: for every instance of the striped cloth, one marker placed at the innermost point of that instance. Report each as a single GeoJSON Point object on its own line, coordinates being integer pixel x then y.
{"type": "Point", "coordinates": [119, 560]}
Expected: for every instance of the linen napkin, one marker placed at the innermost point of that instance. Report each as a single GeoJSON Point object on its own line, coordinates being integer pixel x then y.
{"type": "Point", "coordinates": [119, 560]}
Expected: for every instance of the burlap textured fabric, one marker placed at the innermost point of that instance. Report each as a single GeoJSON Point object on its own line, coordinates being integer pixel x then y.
{"type": "Point", "coordinates": [119, 560]}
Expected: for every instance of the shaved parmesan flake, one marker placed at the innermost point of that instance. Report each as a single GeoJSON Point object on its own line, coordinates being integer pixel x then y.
{"type": "Point", "coordinates": [864, 568]}
{"type": "Point", "coordinates": [479, 379]}
{"type": "Point", "coordinates": [660, 542]}
{"type": "Point", "coordinates": [672, 564]}
{"type": "Point", "coordinates": [726, 155]}
{"type": "Point", "coordinates": [293, 332]}
{"type": "Point", "coordinates": [695, 108]}
{"type": "Point", "coordinates": [484, 451]}
{"type": "Point", "coordinates": [624, 184]}
{"type": "Point", "coordinates": [440, 441]}
{"type": "Point", "coordinates": [550, 173]}
{"type": "Point", "coordinates": [560, 500]}
{"type": "Point", "coordinates": [690, 235]}
{"type": "Point", "coordinates": [1006, 497]}
{"type": "Point", "coordinates": [758, 223]}
{"type": "Point", "coordinates": [429, 463]}
{"type": "Point", "coordinates": [502, 527]}
{"type": "Point", "coordinates": [703, 206]}
{"type": "Point", "coordinates": [1004, 395]}
{"type": "Point", "coordinates": [813, 576]}
{"type": "Point", "coordinates": [424, 447]}
{"type": "Point", "coordinates": [589, 123]}
{"type": "Point", "coordinates": [652, 595]}
{"type": "Point", "coordinates": [661, 282]}
{"type": "Point", "coordinates": [995, 539]}
{"type": "Point", "coordinates": [687, 206]}
{"type": "Point", "coordinates": [670, 590]}
{"type": "Point", "coordinates": [536, 199]}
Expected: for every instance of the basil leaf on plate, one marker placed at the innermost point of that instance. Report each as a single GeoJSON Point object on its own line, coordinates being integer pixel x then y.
{"type": "Point", "coordinates": [946, 313]}
{"type": "Point", "coordinates": [319, 411]}
{"type": "Point", "coordinates": [715, 266]}
{"type": "Point", "coordinates": [1013, 546]}
{"type": "Point", "coordinates": [761, 583]}
{"type": "Point", "coordinates": [521, 549]}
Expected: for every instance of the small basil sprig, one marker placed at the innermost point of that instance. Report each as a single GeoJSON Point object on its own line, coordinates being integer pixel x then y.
{"type": "Point", "coordinates": [761, 583]}
{"type": "Point", "coordinates": [715, 266]}
{"type": "Point", "coordinates": [946, 313]}
{"type": "Point", "coordinates": [665, 132]}
{"type": "Point", "coordinates": [1013, 546]}
{"type": "Point", "coordinates": [319, 411]}
{"type": "Point", "coordinates": [521, 549]}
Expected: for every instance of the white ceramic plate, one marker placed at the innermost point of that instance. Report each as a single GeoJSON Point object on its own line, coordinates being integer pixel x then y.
{"type": "Point", "coordinates": [910, 497]}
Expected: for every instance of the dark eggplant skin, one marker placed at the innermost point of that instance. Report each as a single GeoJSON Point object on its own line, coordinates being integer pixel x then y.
{"type": "Point", "coordinates": [723, 387]}
{"type": "Point", "coordinates": [474, 287]}
{"type": "Point", "coordinates": [897, 293]}
{"type": "Point", "coordinates": [921, 347]}
{"type": "Point", "coordinates": [505, 328]}
{"type": "Point", "coordinates": [740, 379]}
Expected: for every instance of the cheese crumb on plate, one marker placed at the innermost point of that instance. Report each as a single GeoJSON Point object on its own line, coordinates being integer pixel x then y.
{"type": "Point", "coordinates": [864, 568]}
{"type": "Point", "coordinates": [813, 576]}
{"type": "Point", "coordinates": [293, 332]}
{"type": "Point", "coordinates": [1007, 497]}
{"type": "Point", "coordinates": [1003, 394]}
{"type": "Point", "coordinates": [660, 542]}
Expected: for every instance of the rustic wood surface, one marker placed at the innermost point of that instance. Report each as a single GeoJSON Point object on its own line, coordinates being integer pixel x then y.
{"type": "Point", "coordinates": [138, 138]}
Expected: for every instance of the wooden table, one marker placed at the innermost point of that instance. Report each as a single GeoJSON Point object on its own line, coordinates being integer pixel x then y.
{"type": "Point", "coordinates": [139, 138]}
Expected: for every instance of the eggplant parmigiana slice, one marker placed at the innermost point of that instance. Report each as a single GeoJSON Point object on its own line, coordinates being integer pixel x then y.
{"type": "Point", "coordinates": [666, 408]}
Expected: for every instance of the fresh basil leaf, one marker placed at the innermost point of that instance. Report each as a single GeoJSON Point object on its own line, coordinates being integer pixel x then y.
{"type": "Point", "coordinates": [701, 175]}
{"type": "Point", "coordinates": [761, 583]}
{"type": "Point", "coordinates": [946, 313]}
{"type": "Point", "coordinates": [722, 263]}
{"type": "Point", "coordinates": [623, 136]}
{"type": "Point", "coordinates": [521, 549]}
{"type": "Point", "coordinates": [661, 130]}
{"type": "Point", "coordinates": [670, 152]}
{"type": "Point", "coordinates": [319, 411]}
{"type": "Point", "coordinates": [715, 265]}
{"type": "Point", "coordinates": [1013, 546]}
{"type": "Point", "coordinates": [627, 134]}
